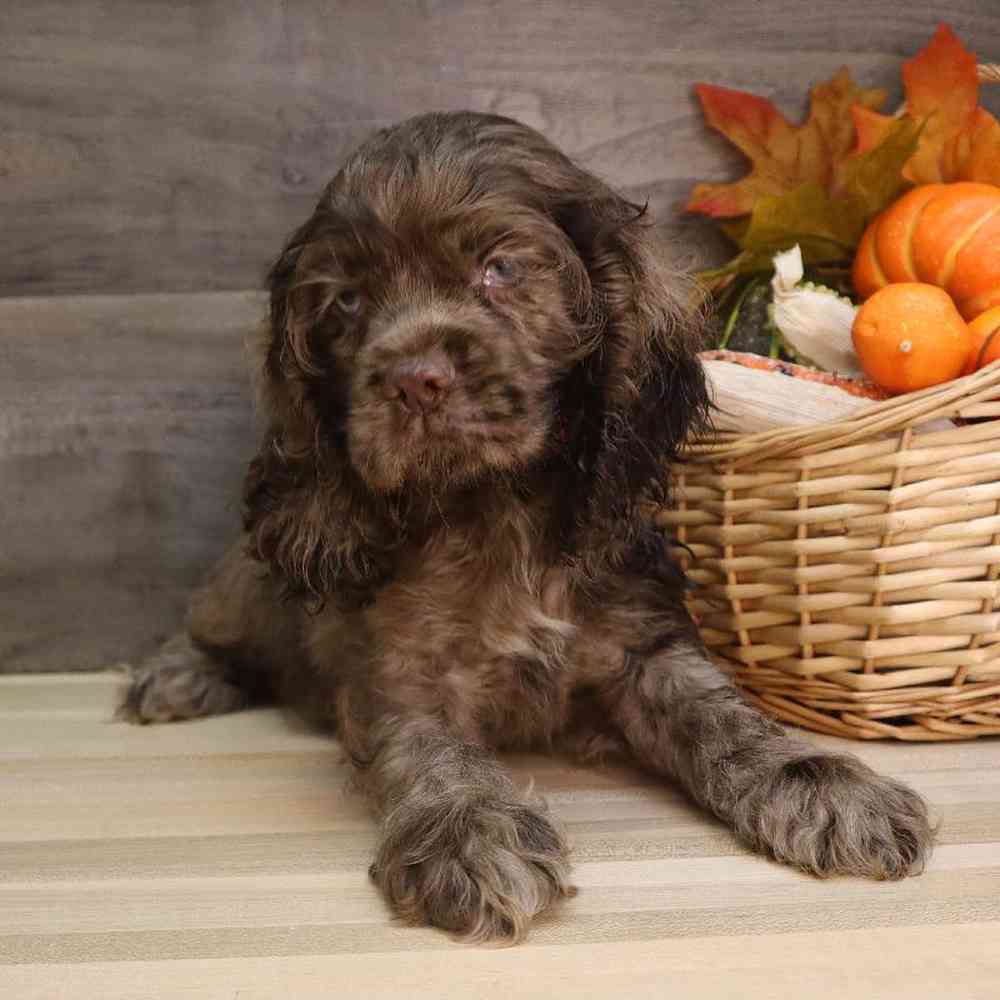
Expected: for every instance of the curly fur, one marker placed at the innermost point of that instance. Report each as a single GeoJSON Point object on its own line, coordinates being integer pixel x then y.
{"type": "Point", "coordinates": [478, 575]}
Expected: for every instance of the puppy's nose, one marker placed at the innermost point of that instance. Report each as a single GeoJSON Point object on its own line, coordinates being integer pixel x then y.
{"type": "Point", "coordinates": [422, 384]}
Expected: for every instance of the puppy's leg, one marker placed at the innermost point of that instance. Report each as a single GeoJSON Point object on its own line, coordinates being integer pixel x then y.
{"type": "Point", "coordinates": [461, 849]}
{"type": "Point", "coordinates": [239, 632]}
{"type": "Point", "coordinates": [825, 813]}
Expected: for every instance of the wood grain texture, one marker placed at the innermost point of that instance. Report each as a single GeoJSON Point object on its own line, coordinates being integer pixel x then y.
{"type": "Point", "coordinates": [125, 427]}
{"type": "Point", "coordinates": [152, 145]}
{"type": "Point", "coordinates": [227, 857]}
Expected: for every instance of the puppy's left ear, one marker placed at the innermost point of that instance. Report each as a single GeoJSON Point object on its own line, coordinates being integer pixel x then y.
{"type": "Point", "coordinates": [643, 385]}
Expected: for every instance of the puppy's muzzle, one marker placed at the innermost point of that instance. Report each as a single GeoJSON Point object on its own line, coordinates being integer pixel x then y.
{"type": "Point", "coordinates": [422, 383]}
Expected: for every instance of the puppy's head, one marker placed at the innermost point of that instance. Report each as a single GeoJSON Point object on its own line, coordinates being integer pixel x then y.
{"type": "Point", "coordinates": [427, 308]}
{"type": "Point", "coordinates": [463, 304]}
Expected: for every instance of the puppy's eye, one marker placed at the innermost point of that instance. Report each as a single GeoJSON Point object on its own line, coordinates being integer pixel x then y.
{"type": "Point", "coordinates": [498, 271]}
{"type": "Point", "coordinates": [349, 301]}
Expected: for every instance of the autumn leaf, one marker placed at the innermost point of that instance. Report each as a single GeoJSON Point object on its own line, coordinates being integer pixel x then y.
{"type": "Point", "coordinates": [784, 156]}
{"type": "Point", "coordinates": [974, 154]}
{"type": "Point", "coordinates": [826, 226]}
{"type": "Point", "coordinates": [870, 127]}
{"type": "Point", "coordinates": [942, 88]}
{"type": "Point", "coordinates": [807, 216]}
{"type": "Point", "coordinates": [871, 180]}
{"type": "Point", "coordinates": [960, 140]}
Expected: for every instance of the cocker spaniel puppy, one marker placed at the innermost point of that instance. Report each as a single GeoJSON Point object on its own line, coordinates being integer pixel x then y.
{"type": "Point", "coordinates": [477, 367]}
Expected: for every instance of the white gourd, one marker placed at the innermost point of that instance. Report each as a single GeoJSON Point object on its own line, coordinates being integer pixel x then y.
{"type": "Point", "coordinates": [814, 322]}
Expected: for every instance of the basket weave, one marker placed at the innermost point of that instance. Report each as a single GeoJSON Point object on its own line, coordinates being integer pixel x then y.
{"type": "Point", "coordinates": [850, 571]}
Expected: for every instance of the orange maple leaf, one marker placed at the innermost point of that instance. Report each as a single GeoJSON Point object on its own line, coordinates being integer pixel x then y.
{"type": "Point", "coordinates": [960, 140]}
{"type": "Point", "coordinates": [784, 156]}
{"type": "Point", "coordinates": [974, 154]}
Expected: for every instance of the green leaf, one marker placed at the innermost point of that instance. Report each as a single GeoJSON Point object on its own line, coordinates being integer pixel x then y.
{"type": "Point", "coordinates": [872, 181]}
{"type": "Point", "coordinates": [825, 229]}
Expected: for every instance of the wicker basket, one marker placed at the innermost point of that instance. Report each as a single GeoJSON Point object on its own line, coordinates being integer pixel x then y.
{"type": "Point", "coordinates": [850, 571]}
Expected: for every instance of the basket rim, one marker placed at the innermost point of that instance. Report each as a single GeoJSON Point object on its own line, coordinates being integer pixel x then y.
{"type": "Point", "coordinates": [948, 399]}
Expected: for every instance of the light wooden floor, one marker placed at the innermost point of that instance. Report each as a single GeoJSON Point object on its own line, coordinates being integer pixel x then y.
{"type": "Point", "coordinates": [226, 858]}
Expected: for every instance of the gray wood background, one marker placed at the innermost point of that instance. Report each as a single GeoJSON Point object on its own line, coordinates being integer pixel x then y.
{"type": "Point", "coordinates": [153, 156]}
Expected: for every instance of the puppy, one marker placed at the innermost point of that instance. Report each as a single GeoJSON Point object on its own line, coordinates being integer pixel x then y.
{"type": "Point", "coordinates": [478, 366]}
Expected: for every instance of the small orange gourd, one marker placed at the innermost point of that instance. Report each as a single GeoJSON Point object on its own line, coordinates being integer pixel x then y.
{"type": "Point", "coordinates": [909, 336]}
{"type": "Point", "coordinates": [939, 234]}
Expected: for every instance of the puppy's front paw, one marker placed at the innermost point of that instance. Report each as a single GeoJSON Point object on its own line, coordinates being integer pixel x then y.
{"type": "Point", "coordinates": [479, 870]}
{"type": "Point", "coordinates": [833, 815]}
{"type": "Point", "coordinates": [178, 681]}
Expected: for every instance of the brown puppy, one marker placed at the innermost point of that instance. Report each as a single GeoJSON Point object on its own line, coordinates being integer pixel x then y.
{"type": "Point", "coordinates": [477, 367]}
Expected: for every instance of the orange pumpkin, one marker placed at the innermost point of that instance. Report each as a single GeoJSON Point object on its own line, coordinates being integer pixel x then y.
{"type": "Point", "coordinates": [939, 234]}
{"type": "Point", "coordinates": [985, 330]}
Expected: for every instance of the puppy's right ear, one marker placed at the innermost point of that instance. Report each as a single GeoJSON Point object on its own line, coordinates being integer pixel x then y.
{"type": "Point", "coordinates": [308, 513]}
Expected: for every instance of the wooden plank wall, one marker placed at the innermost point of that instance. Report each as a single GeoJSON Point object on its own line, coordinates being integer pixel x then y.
{"type": "Point", "coordinates": [125, 424]}
{"type": "Point", "coordinates": [154, 154]}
